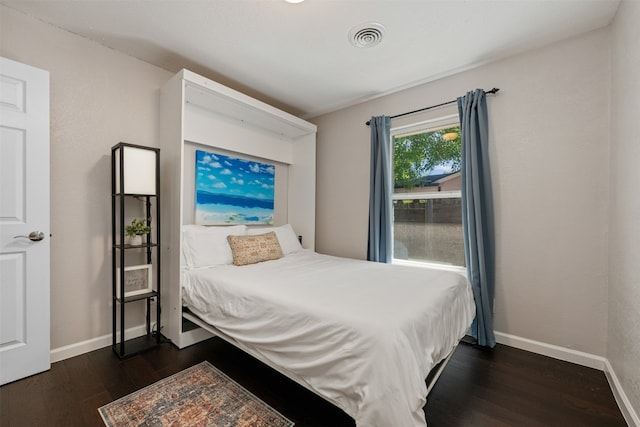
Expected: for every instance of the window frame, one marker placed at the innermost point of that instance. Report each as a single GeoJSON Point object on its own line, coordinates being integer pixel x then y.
{"type": "Point", "coordinates": [430, 125]}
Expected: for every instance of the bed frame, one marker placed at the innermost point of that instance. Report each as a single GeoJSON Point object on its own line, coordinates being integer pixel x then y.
{"type": "Point", "coordinates": [196, 112]}
{"type": "Point", "coordinates": [431, 378]}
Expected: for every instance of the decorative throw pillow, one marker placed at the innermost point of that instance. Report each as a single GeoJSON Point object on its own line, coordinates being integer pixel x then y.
{"type": "Point", "coordinates": [254, 249]}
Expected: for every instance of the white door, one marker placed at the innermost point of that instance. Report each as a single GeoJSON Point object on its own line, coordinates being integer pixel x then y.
{"type": "Point", "coordinates": [24, 211]}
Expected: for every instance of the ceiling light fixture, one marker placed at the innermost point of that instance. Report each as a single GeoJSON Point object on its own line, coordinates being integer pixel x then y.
{"type": "Point", "coordinates": [366, 35]}
{"type": "Point", "coordinates": [294, 1]}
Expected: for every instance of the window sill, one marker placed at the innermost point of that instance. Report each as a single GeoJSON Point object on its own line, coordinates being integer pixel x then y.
{"type": "Point", "coordinates": [432, 265]}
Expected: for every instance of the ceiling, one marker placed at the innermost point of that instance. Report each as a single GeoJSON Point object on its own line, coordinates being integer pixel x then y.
{"type": "Point", "coordinates": [298, 56]}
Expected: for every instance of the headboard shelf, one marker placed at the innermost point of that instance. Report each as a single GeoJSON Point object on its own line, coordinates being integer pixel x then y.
{"type": "Point", "coordinates": [219, 99]}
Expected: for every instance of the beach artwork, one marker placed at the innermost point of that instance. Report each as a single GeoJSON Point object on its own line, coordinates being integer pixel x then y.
{"type": "Point", "coordinates": [233, 191]}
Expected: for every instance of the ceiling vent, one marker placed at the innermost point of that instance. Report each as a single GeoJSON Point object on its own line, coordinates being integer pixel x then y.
{"type": "Point", "coordinates": [366, 35]}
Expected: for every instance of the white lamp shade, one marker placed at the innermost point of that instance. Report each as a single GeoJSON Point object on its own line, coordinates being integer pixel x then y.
{"type": "Point", "coordinates": [139, 170]}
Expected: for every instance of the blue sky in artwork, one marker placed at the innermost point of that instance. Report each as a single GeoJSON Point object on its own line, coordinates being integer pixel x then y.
{"type": "Point", "coordinates": [221, 174]}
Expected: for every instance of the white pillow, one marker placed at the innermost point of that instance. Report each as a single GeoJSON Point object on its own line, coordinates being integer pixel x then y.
{"type": "Point", "coordinates": [286, 237]}
{"type": "Point", "coordinates": [207, 246]}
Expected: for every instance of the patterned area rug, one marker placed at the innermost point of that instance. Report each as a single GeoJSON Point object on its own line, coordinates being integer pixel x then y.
{"type": "Point", "coordinates": [198, 396]}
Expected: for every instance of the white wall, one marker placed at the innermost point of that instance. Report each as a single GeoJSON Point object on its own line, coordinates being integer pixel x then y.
{"type": "Point", "coordinates": [623, 347]}
{"type": "Point", "coordinates": [549, 131]}
{"type": "Point", "coordinates": [99, 97]}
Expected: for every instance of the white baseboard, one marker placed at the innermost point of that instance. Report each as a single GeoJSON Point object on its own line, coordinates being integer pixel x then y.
{"type": "Point", "coordinates": [61, 353]}
{"type": "Point", "coordinates": [555, 351]}
{"type": "Point", "coordinates": [579, 358]}
{"type": "Point", "coordinates": [630, 415]}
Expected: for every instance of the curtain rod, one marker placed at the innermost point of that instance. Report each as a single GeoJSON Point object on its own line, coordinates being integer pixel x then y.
{"type": "Point", "coordinates": [492, 91]}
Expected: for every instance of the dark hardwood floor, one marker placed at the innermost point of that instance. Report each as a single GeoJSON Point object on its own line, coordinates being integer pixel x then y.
{"type": "Point", "coordinates": [503, 387]}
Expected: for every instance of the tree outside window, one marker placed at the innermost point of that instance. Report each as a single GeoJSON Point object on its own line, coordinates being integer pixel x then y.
{"type": "Point", "coordinates": [427, 204]}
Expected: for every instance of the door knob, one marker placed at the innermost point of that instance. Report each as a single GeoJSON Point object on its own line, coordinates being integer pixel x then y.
{"type": "Point", "coordinates": [34, 236]}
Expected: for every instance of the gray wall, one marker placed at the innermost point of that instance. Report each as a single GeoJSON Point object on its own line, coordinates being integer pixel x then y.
{"type": "Point", "coordinates": [623, 346]}
{"type": "Point", "coordinates": [99, 97]}
{"type": "Point", "coordinates": [549, 131]}
{"type": "Point", "coordinates": [564, 133]}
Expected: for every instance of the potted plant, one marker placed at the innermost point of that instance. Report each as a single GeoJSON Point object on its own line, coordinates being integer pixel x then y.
{"type": "Point", "coordinates": [135, 230]}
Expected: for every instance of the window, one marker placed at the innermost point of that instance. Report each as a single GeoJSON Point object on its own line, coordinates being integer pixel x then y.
{"type": "Point", "coordinates": [427, 211]}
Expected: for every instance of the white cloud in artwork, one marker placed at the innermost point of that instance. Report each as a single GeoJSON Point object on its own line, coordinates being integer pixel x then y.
{"type": "Point", "coordinates": [255, 168]}
{"type": "Point", "coordinates": [209, 160]}
{"type": "Point", "coordinates": [219, 174]}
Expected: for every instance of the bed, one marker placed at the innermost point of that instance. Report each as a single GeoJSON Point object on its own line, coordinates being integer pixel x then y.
{"type": "Point", "coordinates": [362, 335]}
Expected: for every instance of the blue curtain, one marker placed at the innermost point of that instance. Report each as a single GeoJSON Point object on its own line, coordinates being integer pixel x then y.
{"type": "Point", "coordinates": [477, 211]}
{"type": "Point", "coordinates": [380, 245]}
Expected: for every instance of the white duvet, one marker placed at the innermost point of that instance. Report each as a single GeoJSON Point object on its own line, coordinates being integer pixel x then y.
{"type": "Point", "coordinates": [363, 335]}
